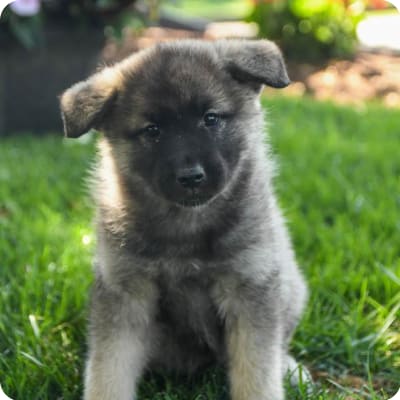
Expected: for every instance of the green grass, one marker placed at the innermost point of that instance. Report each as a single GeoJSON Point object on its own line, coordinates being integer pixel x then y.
{"type": "Point", "coordinates": [339, 184]}
{"type": "Point", "coordinates": [220, 9]}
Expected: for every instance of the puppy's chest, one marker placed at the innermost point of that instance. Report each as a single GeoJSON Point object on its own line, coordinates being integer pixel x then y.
{"type": "Point", "coordinates": [203, 248]}
{"type": "Point", "coordinates": [186, 306]}
{"type": "Point", "coordinates": [205, 245]}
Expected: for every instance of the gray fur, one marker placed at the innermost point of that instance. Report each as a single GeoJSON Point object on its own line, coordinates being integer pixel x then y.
{"type": "Point", "coordinates": [180, 287]}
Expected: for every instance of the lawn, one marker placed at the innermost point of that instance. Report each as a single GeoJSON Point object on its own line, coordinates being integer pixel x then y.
{"type": "Point", "coordinates": [339, 185]}
{"type": "Point", "coordinates": [211, 9]}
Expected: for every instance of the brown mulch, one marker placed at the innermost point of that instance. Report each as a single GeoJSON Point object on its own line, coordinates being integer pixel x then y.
{"type": "Point", "coordinates": [367, 77]}
{"type": "Point", "coordinates": [132, 42]}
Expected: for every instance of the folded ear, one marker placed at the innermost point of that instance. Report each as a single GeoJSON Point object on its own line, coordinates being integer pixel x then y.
{"type": "Point", "coordinates": [255, 62]}
{"type": "Point", "coordinates": [84, 105]}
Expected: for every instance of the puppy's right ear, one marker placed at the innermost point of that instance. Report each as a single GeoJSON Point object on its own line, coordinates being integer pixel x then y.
{"type": "Point", "coordinates": [254, 62]}
{"type": "Point", "coordinates": [84, 105]}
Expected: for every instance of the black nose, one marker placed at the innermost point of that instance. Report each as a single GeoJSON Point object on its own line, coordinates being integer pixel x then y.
{"type": "Point", "coordinates": [191, 178]}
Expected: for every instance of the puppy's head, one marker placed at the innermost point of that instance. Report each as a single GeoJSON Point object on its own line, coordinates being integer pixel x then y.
{"type": "Point", "coordinates": [179, 116]}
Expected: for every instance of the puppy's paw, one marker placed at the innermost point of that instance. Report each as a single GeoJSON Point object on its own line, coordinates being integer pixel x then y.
{"type": "Point", "coordinates": [297, 374]}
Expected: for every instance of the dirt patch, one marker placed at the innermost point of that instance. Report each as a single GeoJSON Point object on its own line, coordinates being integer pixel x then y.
{"type": "Point", "coordinates": [353, 383]}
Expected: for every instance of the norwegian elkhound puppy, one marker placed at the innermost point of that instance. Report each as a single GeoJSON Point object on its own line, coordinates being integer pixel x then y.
{"type": "Point", "coordinates": [194, 264]}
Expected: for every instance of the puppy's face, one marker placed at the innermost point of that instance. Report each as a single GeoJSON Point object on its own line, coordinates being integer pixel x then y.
{"type": "Point", "coordinates": [177, 116]}
{"type": "Point", "coordinates": [178, 130]}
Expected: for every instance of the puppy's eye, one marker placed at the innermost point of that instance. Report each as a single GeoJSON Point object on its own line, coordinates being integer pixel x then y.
{"type": "Point", "coordinates": [152, 131]}
{"type": "Point", "coordinates": [211, 119]}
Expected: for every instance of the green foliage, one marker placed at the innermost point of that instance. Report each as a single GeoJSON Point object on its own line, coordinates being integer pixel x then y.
{"type": "Point", "coordinates": [28, 31]}
{"type": "Point", "coordinates": [309, 30]}
{"type": "Point", "coordinates": [113, 15]}
{"type": "Point", "coordinates": [339, 187]}
{"type": "Point", "coordinates": [211, 9]}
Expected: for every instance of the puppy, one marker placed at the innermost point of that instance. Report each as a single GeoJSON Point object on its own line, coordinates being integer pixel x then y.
{"type": "Point", "coordinates": [194, 264]}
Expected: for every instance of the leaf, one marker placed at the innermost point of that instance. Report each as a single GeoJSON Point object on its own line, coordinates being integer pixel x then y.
{"type": "Point", "coordinates": [27, 30]}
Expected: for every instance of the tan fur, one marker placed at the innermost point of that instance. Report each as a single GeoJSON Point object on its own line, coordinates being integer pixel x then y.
{"type": "Point", "coordinates": [250, 355]}
{"type": "Point", "coordinates": [110, 195]}
{"type": "Point", "coordinates": [112, 371]}
{"type": "Point", "coordinates": [250, 375]}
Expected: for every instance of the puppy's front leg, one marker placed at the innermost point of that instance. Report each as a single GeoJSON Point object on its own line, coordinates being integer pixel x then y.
{"type": "Point", "coordinates": [119, 343]}
{"type": "Point", "coordinates": [254, 345]}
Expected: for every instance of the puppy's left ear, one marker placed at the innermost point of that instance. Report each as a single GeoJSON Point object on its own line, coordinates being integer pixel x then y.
{"type": "Point", "coordinates": [84, 105]}
{"type": "Point", "coordinates": [255, 62]}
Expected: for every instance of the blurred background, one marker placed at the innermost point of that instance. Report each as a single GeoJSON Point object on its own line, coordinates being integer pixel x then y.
{"type": "Point", "coordinates": [346, 50]}
{"type": "Point", "coordinates": [335, 132]}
